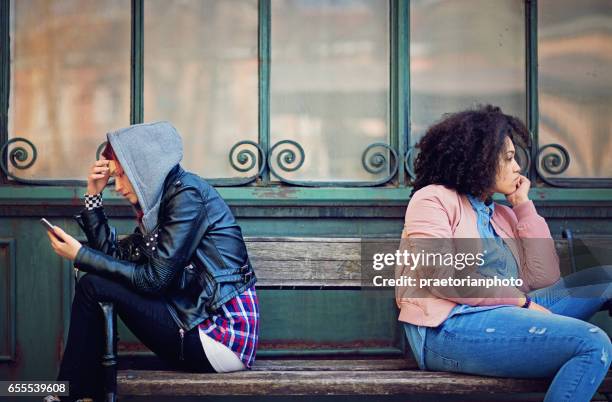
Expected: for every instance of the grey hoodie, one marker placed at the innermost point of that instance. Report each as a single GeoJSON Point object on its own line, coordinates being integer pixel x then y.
{"type": "Point", "coordinates": [147, 153]}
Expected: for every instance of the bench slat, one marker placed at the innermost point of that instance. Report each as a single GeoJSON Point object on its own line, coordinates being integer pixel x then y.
{"type": "Point", "coordinates": [148, 361]}
{"type": "Point", "coordinates": [312, 262]}
{"type": "Point", "coordinates": [322, 383]}
{"type": "Point", "coordinates": [334, 365]}
{"type": "Point", "coordinates": [307, 273]}
{"type": "Point", "coordinates": [305, 250]}
{"type": "Point", "coordinates": [306, 262]}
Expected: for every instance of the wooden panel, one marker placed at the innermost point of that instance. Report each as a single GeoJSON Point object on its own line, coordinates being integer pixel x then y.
{"type": "Point", "coordinates": [334, 365]}
{"type": "Point", "coordinates": [393, 381]}
{"type": "Point", "coordinates": [312, 322]}
{"type": "Point", "coordinates": [7, 300]}
{"type": "Point", "coordinates": [295, 262]}
{"type": "Point", "coordinates": [307, 273]}
{"type": "Point", "coordinates": [149, 361]}
{"type": "Point", "coordinates": [356, 321]}
{"type": "Point", "coordinates": [68, 286]}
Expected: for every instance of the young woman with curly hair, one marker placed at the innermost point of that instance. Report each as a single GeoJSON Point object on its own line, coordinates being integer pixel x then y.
{"type": "Point", "coordinates": [539, 330]}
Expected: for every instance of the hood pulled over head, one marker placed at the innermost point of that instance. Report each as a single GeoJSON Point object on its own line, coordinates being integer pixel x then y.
{"type": "Point", "coordinates": [147, 153]}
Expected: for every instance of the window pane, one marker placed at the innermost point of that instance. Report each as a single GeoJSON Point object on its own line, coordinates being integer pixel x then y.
{"type": "Point", "coordinates": [329, 85]}
{"type": "Point", "coordinates": [464, 53]}
{"type": "Point", "coordinates": [70, 80]}
{"type": "Point", "coordinates": [200, 73]}
{"type": "Point", "coordinates": [575, 82]}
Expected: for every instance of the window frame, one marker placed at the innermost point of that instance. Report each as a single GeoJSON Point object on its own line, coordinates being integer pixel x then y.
{"type": "Point", "coordinates": [399, 108]}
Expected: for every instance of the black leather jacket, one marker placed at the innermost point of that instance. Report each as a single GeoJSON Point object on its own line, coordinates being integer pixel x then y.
{"type": "Point", "coordinates": [195, 257]}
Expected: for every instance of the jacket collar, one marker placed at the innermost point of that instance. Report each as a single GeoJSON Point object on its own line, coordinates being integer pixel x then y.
{"type": "Point", "coordinates": [482, 206]}
{"type": "Point", "coordinates": [173, 176]}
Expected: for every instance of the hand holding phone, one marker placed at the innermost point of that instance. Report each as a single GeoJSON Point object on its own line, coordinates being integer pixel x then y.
{"type": "Point", "coordinates": [49, 227]}
{"type": "Point", "coordinates": [62, 243]}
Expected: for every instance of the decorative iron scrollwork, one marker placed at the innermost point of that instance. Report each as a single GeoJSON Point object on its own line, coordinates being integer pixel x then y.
{"type": "Point", "coordinates": [374, 160]}
{"type": "Point", "coordinates": [243, 160]}
{"type": "Point", "coordinates": [287, 160]}
{"type": "Point", "coordinates": [551, 159]}
{"type": "Point", "coordinates": [522, 158]}
{"type": "Point", "coordinates": [22, 158]}
{"type": "Point", "coordinates": [554, 162]}
{"type": "Point", "coordinates": [288, 156]}
{"type": "Point", "coordinates": [409, 162]}
{"type": "Point", "coordinates": [18, 156]}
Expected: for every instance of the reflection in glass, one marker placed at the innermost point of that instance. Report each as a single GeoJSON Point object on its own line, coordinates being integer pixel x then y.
{"type": "Point", "coordinates": [575, 82]}
{"type": "Point", "coordinates": [329, 84]}
{"type": "Point", "coordinates": [200, 73]}
{"type": "Point", "coordinates": [464, 53]}
{"type": "Point", "coordinates": [70, 80]}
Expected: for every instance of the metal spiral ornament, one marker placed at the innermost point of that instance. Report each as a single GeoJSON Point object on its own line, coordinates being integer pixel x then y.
{"type": "Point", "coordinates": [243, 160]}
{"type": "Point", "coordinates": [288, 159]}
{"type": "Point", "coordinates": [246, 159]}
{"type": "Point", "coordinates": [23, 157]}
{"type": "Point", "coordinates": [19, 155]}
{"type": "Point", "coordinates": [375, 162]}
{"type": "Point", "coordinates": [551, 159]}
{"type": "Point", "coordinates": [523, 158]}
{"type": "Point", "coordinates": [553, 162]}
{"type": "Point", "coordinates": [409, 162]}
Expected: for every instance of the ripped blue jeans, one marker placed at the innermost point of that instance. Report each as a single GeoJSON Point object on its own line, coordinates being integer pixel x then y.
{"type": "Point", "coordinates": [521, 343]}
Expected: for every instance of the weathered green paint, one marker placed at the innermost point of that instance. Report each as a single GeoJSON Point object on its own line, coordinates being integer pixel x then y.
{"type": "Point", "coordinates": [337, 319]}
{"type": "Point", "coordinates": [316, 321]}
{"type": "Point", "coordinates": [399, 85]}
{"type": "Point", "coordinates": [531, 37]}
{"type": "Point", "coordinates": [264, 33]}
{"type": "Point", "coordinates": [39, 293]}
{"type": "Point", "coordinates": [68, 283]}
{"type": "Point", "coordinates": [323, 322]}
{"type": "Point", "coordinates": [5, 45]}
{"type": "Point", "coordinates": [8, 263]}
{"type": "Point", "coordinates": [137, 63]}
{"type": "Point", "coordinates": [286, 195]}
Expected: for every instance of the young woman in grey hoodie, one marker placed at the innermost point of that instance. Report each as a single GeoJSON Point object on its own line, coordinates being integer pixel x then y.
{"type": "Point", "coordinates": [182, 282]}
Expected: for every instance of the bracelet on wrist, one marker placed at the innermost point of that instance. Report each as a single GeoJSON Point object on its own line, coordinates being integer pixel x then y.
{"type": "Point", "coordinates": [527, 302]}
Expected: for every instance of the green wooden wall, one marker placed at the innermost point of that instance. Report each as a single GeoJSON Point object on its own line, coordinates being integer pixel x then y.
{"type": "Point", "coordinates": [37, 285]}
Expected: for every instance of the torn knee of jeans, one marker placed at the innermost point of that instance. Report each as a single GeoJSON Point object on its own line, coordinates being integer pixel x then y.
{"type": "Point", "coordinates": [489, 330]}
{"type": "Point", "coordinates": [604, 355]}
{"type": "Point", "coordinates": [537, 331]}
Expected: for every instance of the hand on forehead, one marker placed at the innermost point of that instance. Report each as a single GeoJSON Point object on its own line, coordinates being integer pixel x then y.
{"type": "Point", "coordinates": [114, 167]}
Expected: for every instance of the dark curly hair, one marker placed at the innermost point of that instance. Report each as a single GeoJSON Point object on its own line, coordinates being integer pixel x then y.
{"type": "Point", "coordinates": [462, 151]}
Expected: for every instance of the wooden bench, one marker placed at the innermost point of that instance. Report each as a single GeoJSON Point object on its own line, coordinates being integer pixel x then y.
{"type": "Point", "coordinates": [324, 377]}
{"type": "Point", "coordinates": [312, 368]}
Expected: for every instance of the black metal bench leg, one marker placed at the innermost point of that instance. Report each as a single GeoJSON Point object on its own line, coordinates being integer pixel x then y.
{"type": "Point", "coordinates": [569, 235]}
{"type": "Point", "coordinates": [109, 359]}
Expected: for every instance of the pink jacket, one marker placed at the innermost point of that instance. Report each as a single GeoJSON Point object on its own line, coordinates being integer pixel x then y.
{"type": "Point", "coordinates": [438, 212]}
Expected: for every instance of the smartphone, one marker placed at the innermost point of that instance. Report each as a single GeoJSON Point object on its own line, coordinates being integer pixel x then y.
{"type": "Point", "coordinates": [49, 227]}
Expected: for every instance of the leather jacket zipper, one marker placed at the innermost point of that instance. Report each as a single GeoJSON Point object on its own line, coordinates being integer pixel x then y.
{"type": "Point", "coordinates": [182, 335]}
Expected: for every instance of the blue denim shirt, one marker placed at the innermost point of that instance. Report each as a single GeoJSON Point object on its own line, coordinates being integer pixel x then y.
{"type": "Point", "coordinates": [499, 261]}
